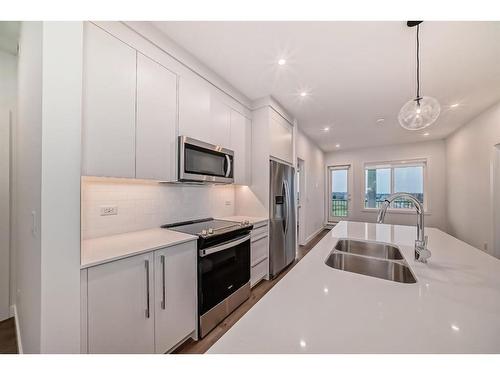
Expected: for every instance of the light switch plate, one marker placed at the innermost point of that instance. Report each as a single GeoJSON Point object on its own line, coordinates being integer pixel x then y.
{"type": "Point", "coordinates": [109, 210]}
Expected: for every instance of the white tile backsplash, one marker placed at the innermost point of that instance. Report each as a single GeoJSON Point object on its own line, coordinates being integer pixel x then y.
{"type": "Point", "coordinates": [144, 205]}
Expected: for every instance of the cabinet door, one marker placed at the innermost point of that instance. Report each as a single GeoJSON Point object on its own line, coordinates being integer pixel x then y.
{"type": "Point", "coordinates": [241, 144]}
{"type": "Point", "coordinates": [156, 120]}
{"type": "Point", "coordinates": [120, 313]}
{"type": "Point", "coordinates": [281, 143]}
{"type": "Point", "coordinates": [175, 295]}
{"type": "Point", "coordinates": [220, 122]}
{"type": "Point", "coordinates": [109, 74]}
{"type": "Point", "coordinates": [194, 108]}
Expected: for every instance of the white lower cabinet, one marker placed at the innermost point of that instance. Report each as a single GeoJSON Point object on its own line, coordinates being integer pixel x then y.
{"type": "Point", "coordinates": [118, 320]}
{"type": "Point", "coordinates": [142, 304]}
{"type": "Point", "coordinates": [175, 295]}
{"type": "Point", "coordinates": [259, 254]}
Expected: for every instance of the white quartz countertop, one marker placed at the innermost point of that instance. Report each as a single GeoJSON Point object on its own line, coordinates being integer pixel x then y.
{"type": "Point", "coordinates": [453, 308]}
{"type": "Point", "coordinates": [106, 249]}
{"type": "Point", "coordinates": [252, 219]}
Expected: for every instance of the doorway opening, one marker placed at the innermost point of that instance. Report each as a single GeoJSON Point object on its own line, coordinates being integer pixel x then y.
{"type": "Point", "coordinates": [301, 207]}
{"type": "Point", "coordinates": [496, 201]}
{"type": "Point", "coordinates": [339, 196]}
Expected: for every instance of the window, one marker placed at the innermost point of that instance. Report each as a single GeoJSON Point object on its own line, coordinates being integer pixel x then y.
{"type": "Point", "coordinates": [381, 180]}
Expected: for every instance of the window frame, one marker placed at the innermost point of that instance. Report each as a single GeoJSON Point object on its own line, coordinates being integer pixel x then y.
{"type": "Point", "coordinates": [421, 162]}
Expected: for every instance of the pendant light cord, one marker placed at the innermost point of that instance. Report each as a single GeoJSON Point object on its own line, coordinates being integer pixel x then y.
{"type": "Point", "coordinates": [418, 66]}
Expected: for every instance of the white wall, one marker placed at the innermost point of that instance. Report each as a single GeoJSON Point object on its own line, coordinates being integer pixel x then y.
{"type": "Point", "coordinates": [312, 201]}
{"type": "Point", "coordinates": [47, 149]}
{"type": "Point", "coordinates": [28, 155]}
{"type": "Point", "coordinates": [433, 151]}
{"type": "Point", "coordinates": [470, 154]}
{"type": "Point", "coordinates": [60, 199]}
{"type": "Point", "coordinates": [144, 205]}
{"type": "Point", "coordinates": [8, 94]}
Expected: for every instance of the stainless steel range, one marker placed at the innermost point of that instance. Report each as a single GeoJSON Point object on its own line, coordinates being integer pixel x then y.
{"type": "Point", "coordinates": [223, 267]}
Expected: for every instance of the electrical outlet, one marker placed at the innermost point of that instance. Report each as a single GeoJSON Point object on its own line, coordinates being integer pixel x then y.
{"type": "Point", "coordinates": [228, 203]}
{"type": "Point", "coordinates": [109, 210]}
{"type": "Point", "coordinates": [485, 246]}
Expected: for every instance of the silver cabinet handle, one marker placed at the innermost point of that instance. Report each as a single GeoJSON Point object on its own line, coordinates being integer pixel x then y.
{"type": "Point", "coordinates": [147, 288]}
{"type": "Point", "coordinates": [164, 291]}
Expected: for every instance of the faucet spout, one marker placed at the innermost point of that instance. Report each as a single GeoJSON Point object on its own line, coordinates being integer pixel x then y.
{"type": "Point", "coordinates": [421, 251]}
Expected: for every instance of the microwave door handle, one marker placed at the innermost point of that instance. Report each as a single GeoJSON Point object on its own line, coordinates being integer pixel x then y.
{"type": "Point", "coordinates": [228, 171]}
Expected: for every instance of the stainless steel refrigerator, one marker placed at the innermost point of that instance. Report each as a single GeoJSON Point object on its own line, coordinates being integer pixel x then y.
{"type": "Point", "coordinates": [282, 230]}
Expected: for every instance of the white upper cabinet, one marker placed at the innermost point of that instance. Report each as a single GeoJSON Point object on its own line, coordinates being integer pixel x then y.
{"type": "Point", "coordinates": [203, 114]}
{"type": "Point", "coordinates": [194, 108]}
{"type": "Point", "coordinates": [241, 144]}
{"type": "Point", "coordinates": [175, 295]}
{"type": "Point", "coordinates": [220, 122]}
{"type": "Point", "coordinates": [109, 84]}
{"type": "Point", "coordinates": [156, 121]}
{"type": "Point", "coordinates": [281, 138]}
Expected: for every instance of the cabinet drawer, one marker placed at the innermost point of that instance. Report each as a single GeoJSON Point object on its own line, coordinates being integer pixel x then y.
{"type": "Point", "coordinates": [259, 250]}
{"type": "Point", "coordinates": [259, 231]}
{"type": "Point", "coordinates": [258, 272]}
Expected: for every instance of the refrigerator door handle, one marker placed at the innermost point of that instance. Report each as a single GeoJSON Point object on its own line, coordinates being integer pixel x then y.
{"type": "Point", "coordinates": [287, 198]}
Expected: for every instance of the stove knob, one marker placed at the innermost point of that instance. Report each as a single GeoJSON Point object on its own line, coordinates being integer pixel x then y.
{"type": "Point", "coordinates": [203, 232]}
{"type": "Point", "coordinates": [210, 230]}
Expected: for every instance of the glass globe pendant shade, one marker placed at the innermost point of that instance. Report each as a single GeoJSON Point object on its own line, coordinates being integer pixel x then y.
{"type": "Point", "coordinates": [419, 113]}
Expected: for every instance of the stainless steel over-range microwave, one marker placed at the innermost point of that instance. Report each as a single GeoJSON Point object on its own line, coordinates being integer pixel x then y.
{"type": "Point", "coordinates": [203, 162]}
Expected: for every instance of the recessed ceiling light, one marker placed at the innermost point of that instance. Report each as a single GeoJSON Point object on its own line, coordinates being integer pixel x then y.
{"type": "Point", "coordinates": [337, 145]}
{"type": "Point", "coordinates": [455, 105]}
{"type": "Point", "coordinates": [380, 121]}
{"type": "Point", "coordinates": [281, 62]}
{"type": "Point", "coordinates": [326, 129]}
{"type": "Point", "coordinates": [303, 93]}
{"type": "Point", "coordinates": [425, 134]}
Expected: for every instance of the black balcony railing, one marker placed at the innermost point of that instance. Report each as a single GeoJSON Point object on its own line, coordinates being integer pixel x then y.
{"type": "Point", "coordinates": [340, 207]}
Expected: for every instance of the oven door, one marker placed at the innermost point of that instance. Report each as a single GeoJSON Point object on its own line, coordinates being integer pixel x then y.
{"type": "Point", "coordinates": [204, 162]}
{"type": "Point", "coordinates": [223, 268]}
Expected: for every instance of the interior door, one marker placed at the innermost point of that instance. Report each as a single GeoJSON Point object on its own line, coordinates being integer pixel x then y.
{"type": "Point", "coordinates": [277, 211]}
{"type": "Point", "coordinates": [339, 199]}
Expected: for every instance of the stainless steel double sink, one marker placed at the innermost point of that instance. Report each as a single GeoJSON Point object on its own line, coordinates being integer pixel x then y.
{"type": "Point", "coordinates": [374, 259]}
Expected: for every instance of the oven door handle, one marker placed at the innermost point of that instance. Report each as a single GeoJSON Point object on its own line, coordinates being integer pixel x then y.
{"type": "Point", "coordinates": [224, 246]}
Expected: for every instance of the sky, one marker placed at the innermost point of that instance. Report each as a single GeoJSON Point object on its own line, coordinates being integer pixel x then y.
{"type": "Point", "coordinates": [407, 179]}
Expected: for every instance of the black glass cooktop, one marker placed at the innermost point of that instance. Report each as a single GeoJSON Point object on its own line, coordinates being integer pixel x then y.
{"type": "Point", "coordinates": [205, 227]}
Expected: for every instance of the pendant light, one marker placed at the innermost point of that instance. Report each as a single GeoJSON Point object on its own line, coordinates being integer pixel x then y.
{"type": "Point", "coordinates": [422, 111]}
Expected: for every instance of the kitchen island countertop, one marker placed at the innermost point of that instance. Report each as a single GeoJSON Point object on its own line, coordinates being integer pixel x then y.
{"type": "Point", "coordinates": [453, 308]}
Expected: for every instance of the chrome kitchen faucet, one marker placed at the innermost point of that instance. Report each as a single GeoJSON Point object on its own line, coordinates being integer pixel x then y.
{"type": "Point", "coordinates": [421, 251]}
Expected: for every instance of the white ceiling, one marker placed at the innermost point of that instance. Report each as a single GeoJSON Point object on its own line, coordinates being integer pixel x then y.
{"type": "Point", "coordinates": [355, 72]}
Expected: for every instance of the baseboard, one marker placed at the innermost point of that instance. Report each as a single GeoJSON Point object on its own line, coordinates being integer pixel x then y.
{"type": "Point", "coordinates": [314, 234]}
{"type": "Point", "coordinates": [13, 310]}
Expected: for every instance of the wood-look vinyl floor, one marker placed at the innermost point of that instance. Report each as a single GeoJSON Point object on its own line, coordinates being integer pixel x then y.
{"type": "Point", "coordinates": [201, 346]}
{"type": "Point", "coordinates": [8, 343]}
